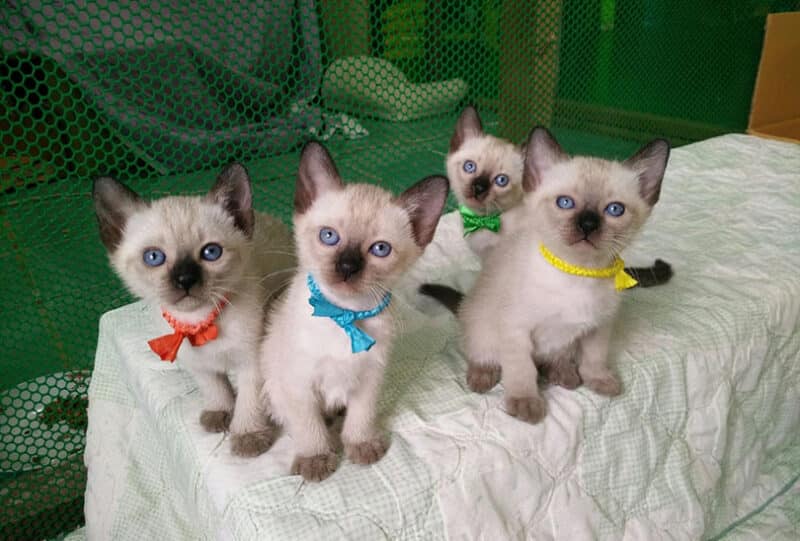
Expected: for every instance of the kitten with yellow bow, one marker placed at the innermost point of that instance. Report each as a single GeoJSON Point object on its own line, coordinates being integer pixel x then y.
{"type": "Point", "coordinates": [485, 174]}
{"type": "Point", "coordinates": [562, 273]}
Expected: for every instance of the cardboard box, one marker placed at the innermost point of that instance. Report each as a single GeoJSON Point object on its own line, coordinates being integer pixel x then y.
{"type": "Point", "coordinates": [775, 111]}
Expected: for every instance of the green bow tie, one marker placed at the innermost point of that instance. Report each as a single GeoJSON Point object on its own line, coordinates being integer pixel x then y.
{"type": "Point", "coordinates": [473, 222]}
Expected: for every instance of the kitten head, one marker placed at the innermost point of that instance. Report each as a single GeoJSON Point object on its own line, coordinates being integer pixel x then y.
{"type": "Point", "coordinates": [588, 208]}
{"type": "Point", "coordinates": [485, 172]}
{"type": "Point", "coordinates": [358, 239]}
{"type": "Point", "coordinates": [180, 252]}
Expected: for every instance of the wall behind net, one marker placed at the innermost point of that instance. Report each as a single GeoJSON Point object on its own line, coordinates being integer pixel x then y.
{"type": "Point", "coordinates": [162, 94]}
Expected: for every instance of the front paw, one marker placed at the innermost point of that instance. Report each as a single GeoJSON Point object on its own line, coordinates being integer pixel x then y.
{"type": "Point", "coordinates": [315, 468]}
{"type": "Point", "coordinates": [215, 420]}
{"type": "Point", "coordinates": [606, 384]}
{"type": "Point", "coordinates": [249, 444]}
{"type": "Point", "coordinates": [366, 452]}
{"type": "Point", "coordinates": [482, 377]}
{"type": "Point", "coordinates": [530, 409]}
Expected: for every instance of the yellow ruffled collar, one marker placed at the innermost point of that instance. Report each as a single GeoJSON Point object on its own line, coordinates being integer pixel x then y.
{"type": "Point", "coordinates": [622, 280]}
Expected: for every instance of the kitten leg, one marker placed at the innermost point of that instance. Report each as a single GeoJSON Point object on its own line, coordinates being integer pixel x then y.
{"type": "Point", "coordinates": [520, 381]}
{"type": "Point", "coordinates": [314, 458]}
{"type": "Point", "coordinates": [362, 443]}
{"type": "Point", "coordinates": [218, 400]}
{"type": "Point", "coordinates": [518, 372]}
{"type": "Point", "coordinates": [252, 431]}
{"type": "Point", "coordinates": [593, 364]}
{"type": "Point", "coordinates": [483, 371]}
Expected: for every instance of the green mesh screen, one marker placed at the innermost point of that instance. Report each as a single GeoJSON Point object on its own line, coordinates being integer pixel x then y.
{"type": "Point", "coordinates": [161, 94]}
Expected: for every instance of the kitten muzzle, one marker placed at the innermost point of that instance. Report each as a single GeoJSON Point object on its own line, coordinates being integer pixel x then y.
{"type": "Point", "coordinates": [480, 188]}
{"type": "Point", "coordinates": [185, 274]}
{"type": "Point", "coordinates": [349, 263]}
{"type": "Point", "coordinates": [588, 222]}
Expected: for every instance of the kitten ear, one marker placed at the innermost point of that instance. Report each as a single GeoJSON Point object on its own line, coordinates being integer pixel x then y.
{"type": "Point", "coordinates": [317, 174]}
{"type": "Point", "coordinates": [234, 192]}
{"type": "Point", "coordinates": [424, 202]}
{"type": "Point", "coordinates": [542, 152]}
{"type": "Point", "coordinates": [113, 204]}
{"type": "Point", "coordinates": [650, 162]}
{"type": "Point", "coordinates": [468, 126]}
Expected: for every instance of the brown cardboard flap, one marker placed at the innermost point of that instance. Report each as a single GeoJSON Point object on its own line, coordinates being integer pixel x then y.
{"type": "Point", "coordinates": [775, 109]}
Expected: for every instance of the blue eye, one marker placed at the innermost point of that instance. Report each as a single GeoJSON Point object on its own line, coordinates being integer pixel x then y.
{"type": "Point", "coordinates": [565, 202]}
{"type": "Point", "coordinates": [153, 257]}
{"type": "Point", "coordinates": [211, 251]}
{"type": "Point", "coordinates": [380, 249]}
{"type": "Point", "coordinates": [501, 180]}
{"type": "Point", "coordinates": [328, 236]}
{"type": "Point", "coordinates": [615, 209]}
{"type": "Point", "coordinates": [470, 167]}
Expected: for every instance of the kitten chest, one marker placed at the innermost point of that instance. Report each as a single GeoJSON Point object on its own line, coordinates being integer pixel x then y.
{"type": "Point", "coordinates": [564, 314]}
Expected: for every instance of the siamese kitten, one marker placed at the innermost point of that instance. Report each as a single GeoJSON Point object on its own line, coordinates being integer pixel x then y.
{"type": "Point", "coordinates": [579, 214]}
{"type": "Point", "coordinates": [329, 338]}
{"type": "Point", "coordinates": [209, 263]}
{"type": "Point", "coordinates": [485, 174]}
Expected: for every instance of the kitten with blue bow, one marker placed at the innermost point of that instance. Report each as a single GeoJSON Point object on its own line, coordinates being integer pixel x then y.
{"type": "Point", "coordinates": [328, 340]}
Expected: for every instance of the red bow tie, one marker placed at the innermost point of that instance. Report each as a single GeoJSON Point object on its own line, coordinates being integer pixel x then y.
{"type": "Point", "coordinates": [167, 346]}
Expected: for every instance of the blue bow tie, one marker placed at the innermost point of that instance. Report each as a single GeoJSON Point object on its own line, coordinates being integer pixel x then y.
{"type": "Point", "coordinates": [359, 340]}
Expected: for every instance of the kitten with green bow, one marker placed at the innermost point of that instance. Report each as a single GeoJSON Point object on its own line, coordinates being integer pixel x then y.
{"type": "Point", "coordinates": [486, 177]}
{"type": "Point", "coordinates": [485, 173]}
{"type": "Point", "coordinates": [329, 337]}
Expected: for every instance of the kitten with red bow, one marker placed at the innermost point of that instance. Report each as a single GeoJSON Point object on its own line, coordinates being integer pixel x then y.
{"type": "Point", "coordinates": [207, 265]}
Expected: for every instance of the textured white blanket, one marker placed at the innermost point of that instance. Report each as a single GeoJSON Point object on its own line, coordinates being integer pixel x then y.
{"type": "Point", "coordinates": [703, 443]}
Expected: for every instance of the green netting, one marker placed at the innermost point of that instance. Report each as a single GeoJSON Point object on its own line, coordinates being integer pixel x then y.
{"type": "Point", "coordinates": [161, 94]}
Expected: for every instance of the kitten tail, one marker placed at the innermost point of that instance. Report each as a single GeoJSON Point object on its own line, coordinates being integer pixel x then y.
{"type": "Point", "coordinates": [657, 274]}
{"type": "Point", "coordinates": [449, 297]}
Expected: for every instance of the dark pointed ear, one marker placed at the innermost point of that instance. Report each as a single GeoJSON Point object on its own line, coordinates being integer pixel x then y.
{"type": "Point", "coordinates": [468, 125]}
{"type": "Point", "coordinates": [650, 162]}
{"type": "Point", "coordinates": [233, 192]}
{"type": "Point", "coordinates": [316, 175]}
{"type": "Point", "coordinates": [424, 202]}
{"type": "Point", "coordinates": [113, 204]}
{"type": "Point", "coordinates": [542, 152]}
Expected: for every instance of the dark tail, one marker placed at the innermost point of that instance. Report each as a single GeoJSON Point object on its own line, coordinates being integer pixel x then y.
{"type": "Point", "coordinates": [449, 297]}
{"type": "Point", "coordinates": [659, 273]}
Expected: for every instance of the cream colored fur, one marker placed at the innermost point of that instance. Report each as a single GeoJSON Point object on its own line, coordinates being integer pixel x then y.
{"type": "Point", "coordinates": [307, 361]}
{"type": "Point", "coordinates": [537, 311]}
{"type": "Point", "coordinates": [247, 274]}
{"type": "Point", "coordinates": [493, 156]}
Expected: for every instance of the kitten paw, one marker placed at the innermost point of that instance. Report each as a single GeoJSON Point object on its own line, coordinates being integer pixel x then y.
{"type": "Point", "coordinates": [215, 420]}
{"type": "Point", "coordinates": [250, 444]}
{"type": "Point", "coordinates": [530, 409]}
{"type": "Point", "coordinates": [481, 378]}
{"type": "Point", "coordinates": [366, 452]}
{"type": "Point", "coordinates": [564, 374]}
{"type": "Point", "coordinates": [315, 468]}
{"type": "Point", "coordinates": [605, 384]}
